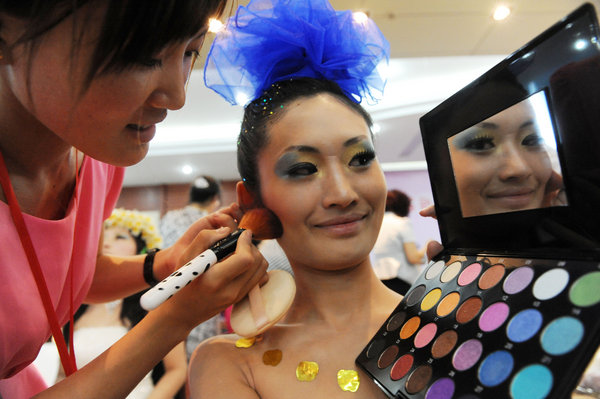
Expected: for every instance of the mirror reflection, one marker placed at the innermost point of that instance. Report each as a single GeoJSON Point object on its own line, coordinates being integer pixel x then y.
{"type": "Point", "coordinates": [509, 161]}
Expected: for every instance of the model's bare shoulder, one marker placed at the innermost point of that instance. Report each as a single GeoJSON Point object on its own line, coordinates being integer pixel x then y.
{"type": "Point", "coordinates": [219, 369]}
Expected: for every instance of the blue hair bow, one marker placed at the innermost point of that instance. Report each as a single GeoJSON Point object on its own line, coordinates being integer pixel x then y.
{"type": "Point", "coordinates": [273, 40]}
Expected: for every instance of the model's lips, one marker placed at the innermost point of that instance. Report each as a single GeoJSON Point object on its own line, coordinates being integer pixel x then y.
{"type": "Point", "coordinates": [340, 220]}
{"type": "Point", "coordinates": [513, 198]}
{"type": "Point", "coordinates": [511, 192]}
{"type": "Point", "coordinates": [342, 225]}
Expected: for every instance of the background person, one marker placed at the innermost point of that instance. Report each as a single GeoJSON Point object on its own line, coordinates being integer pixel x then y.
{"type": "Point", "coordinates": [396, 258]}
{"type": "Point", "coordinates": [98, 326]}
{"type": "Point", "coordinates": [204, 198]}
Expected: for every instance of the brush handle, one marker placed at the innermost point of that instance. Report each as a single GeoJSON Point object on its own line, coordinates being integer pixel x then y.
{"type": "Point", "coordinates": [188, 272]}
{"type": "Point", "coordinates": [177, 280]}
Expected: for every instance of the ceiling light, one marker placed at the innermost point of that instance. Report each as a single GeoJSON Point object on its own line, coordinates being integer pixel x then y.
{"type": "Point", "coordinates": [501, 12]}
{"type": "Point", "coordinates": [214, 25]}
{"type": "Point", "coordinates": [187, 170]}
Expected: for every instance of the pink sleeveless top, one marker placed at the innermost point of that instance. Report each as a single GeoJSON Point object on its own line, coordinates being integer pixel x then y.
{"type": "Point", "coordinates": [23, 323]}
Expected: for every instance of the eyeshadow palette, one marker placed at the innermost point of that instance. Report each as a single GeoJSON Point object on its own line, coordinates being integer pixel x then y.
{"type": "Point", "coordinates": [488, 327]}
{"type": "Point", "coordinates": [509, 308]}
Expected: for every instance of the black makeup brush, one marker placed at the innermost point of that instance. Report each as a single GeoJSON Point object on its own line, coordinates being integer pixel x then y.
{"type": "Point", "coordinates": [263, 224]}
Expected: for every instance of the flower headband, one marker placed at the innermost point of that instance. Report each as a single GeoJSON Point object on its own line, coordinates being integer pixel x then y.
{"type": "Point", "coordinates": [273, 40]}
{"type": "Point", "coordinates": [138, 224]}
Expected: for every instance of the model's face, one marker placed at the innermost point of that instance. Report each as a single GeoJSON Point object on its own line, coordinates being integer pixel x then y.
{"type": "Point", "coordinates": [118, 241]}
{"type": "Point", "coordinates": [115, 118]}
{"type": "Point", "coordinates": [319, 175]}
{"type": "Point", "coordinates": [501, 164]}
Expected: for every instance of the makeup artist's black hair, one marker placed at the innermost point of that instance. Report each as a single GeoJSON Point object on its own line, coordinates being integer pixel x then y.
{"type": "Point", "coordinates": [270, 106]}
{"type": "Point", "coordinates": [397, 202]}
{"type": "Point", "coordinates": [132, 32]}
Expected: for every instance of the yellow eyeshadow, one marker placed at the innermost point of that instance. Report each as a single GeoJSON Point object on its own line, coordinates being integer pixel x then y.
{"type": "Point", "coordinates": [431, 299]}
{"type": "Point", "coordinates": [351, 151]}
{"type": "Point", "coordinates": [307, 371]}
{"type": "Point", "coordinates": [348, 380]}
{"type": "Point", "coordinates": [272, 357]}
{"type": "Point", "coordinates": [245, 342]}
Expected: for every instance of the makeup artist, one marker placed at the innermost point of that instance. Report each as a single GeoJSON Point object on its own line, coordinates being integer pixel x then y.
{"type": "Point", "coordinates": [82, 86]}
{"type": "Point", "coordinates": [305, 152]}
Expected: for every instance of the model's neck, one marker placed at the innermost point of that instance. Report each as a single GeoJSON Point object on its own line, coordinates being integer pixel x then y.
{"type": "Point", "coordinates": [334, 297]}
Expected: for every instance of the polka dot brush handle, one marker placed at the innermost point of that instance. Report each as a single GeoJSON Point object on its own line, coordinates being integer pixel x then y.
{"type": "Point", "coordinates": [178, 279]}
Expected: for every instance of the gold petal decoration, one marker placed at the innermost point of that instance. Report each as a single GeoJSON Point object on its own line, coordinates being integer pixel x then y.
{"type": "Point", "coordinates": [307, 371]}
{"type": "Point", "coordinates": [245, 342]}
{"type": "Point", "coordinates": [348, 380]}
{"type": "Point", "coordinates": [272, 357]}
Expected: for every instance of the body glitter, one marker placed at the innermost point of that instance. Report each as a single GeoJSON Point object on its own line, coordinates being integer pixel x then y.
{"type": "Point", "coordinates": [245, 342]}
{"type": "Point", "coordinates": [272, 357]}
{"type": "Point", "coordinates": [348, 380]}
{"type": "Point", "coordinates": [307, 371]}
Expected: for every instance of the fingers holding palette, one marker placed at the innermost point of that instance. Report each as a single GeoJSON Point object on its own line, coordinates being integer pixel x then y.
{"type": "Point", "coordinates": [489, 327]}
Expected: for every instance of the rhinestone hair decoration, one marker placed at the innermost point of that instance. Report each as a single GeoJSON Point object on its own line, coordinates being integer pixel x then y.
{"type": "Point", "coordinates": [273, 40]}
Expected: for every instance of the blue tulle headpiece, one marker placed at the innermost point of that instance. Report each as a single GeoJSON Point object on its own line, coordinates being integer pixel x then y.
{"type": "Point", "coordinates": [273, 40]}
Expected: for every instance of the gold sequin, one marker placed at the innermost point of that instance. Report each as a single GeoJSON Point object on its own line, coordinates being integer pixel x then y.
{"type": "Point", "coordinates": [245, 342]}
{"type": "Point", "coordinates": [272, 357]}
{"type": "Point", "coordinates": [307, 371]}
{"type": "Point", "coordinates": [348, 380]}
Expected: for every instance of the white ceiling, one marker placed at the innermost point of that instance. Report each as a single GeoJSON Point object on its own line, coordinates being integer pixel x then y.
{"type": "Point", "coordinates": [437, 46]}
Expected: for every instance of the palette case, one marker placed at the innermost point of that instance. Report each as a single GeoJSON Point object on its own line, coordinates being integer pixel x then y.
{"type": "Point", "coordinates": [511, 307]}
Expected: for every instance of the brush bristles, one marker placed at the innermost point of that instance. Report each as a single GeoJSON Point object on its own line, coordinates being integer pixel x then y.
{"type": "Point", "coordinates": [263, 223]}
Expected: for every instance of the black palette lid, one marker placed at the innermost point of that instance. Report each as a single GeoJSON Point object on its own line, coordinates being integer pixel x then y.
{"type": "Point", "coordinates": [562, 66]}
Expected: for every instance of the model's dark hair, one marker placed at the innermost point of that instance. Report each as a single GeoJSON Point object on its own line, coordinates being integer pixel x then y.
{"type": "Point", "coordinates": [271, 105]}
{"type": "Point", "coordinates": [397, 202]}
{"type": "Point", "coordinates": [205, 191]}
{"type": "Point", "coordinates": [132, 31]}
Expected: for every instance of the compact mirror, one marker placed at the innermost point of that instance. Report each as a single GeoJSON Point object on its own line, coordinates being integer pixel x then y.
{"type": "Point", "coordinates": [509, 161]}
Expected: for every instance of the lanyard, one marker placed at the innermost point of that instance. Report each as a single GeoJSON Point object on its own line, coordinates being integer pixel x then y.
{"type": "Point", "coordinates": [67, 358]}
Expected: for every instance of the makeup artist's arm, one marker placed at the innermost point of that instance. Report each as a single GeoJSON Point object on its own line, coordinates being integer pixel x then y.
{"type": "Point", "coordinates": [118, 370]}
{"type": "Point", "coordinates": [118, 277]}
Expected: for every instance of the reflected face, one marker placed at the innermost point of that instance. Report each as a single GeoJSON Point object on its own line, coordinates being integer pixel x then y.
{"type": "Point", "coordinates": [118, 241]}
{"type": "Point", "coordinates": [501, 164]}
{"type": "Point", "coordinates": [319, 175]}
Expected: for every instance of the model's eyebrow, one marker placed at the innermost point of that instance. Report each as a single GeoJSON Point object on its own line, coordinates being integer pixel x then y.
{"type": "Point", "coordinates": [490, 125]}
{"type": "Point", "coordinates": [309, 149]}
{"type": "Point", "coordinates": [487, 125]}
{"type": "Point", "coordinates": [527, 124]}
{"type": "Point", "coordinates": [354, 140]}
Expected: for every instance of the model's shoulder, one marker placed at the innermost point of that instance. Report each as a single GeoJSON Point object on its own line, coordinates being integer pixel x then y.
{"type": "Point", "coordinates": [222, 348]}
{"type": "Point", "coordinates": [221, 358]}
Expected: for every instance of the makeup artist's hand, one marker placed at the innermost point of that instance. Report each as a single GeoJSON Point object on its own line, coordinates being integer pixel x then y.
{"type": "Point", "coordinates": [184, 249]}
{"type": "Point", "coordinates": [223, 284]}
